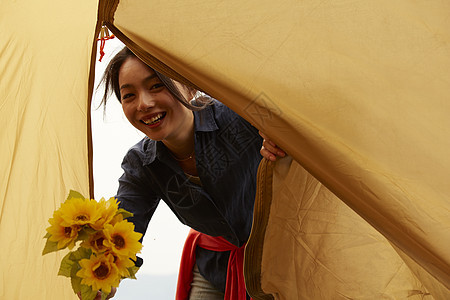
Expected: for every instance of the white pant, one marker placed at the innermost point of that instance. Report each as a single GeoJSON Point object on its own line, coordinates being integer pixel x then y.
{"type": "Point", "coordinates": [202, 289]}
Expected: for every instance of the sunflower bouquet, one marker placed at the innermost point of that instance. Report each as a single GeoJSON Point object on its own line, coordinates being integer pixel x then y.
{"type": "Point", "coordinates": [106, 244]}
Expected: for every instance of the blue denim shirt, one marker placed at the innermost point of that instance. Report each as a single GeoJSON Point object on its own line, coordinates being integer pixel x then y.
{"type": "Point", "coordinates": [227, 158]}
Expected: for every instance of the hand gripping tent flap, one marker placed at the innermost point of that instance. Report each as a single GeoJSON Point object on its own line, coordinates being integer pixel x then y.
{"type": "Point", "coordinates": [356, 92]}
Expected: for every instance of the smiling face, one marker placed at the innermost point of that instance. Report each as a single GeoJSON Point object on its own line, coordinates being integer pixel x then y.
{"type": "Point", "coordinates": [150, 107]}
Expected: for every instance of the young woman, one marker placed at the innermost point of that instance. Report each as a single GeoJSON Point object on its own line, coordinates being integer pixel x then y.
{"type": "Point", "coordinates": [200, 158]}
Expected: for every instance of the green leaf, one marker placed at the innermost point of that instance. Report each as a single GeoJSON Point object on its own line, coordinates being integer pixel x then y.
{"type": "Point", "coordinates": [74, 279]}
{"type": "Point", "coordinates": [87, 292]}
{"type": "Point", "coordinates": [75, 268]}
{"type": "Point", "coordinates": [125, 214]}
{"type": "Point", "coordinates": [104, 295]}
{"type": "Point", "coordinates": [133, 270]}
{"type": "Point", "coordinates": [50, 246]}
{"type": "Point", "coordinates": [65, 269]}
{"type": "Point", "coordinates": [74, 194]}
{"type": "Point", "coordinates": [82, 235]}
{"type": "Point", "coordinates": [85, 232]}
{"type": "Point", "coordinates": [80, 254]}
{"type": "Point", "coordinates": [47, 235]}
{"type": "Point", "coordinates": [89, 230]}
{"type": "Point", "coordinates": [76, 283]}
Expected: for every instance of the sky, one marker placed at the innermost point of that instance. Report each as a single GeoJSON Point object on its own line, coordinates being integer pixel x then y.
{"type": "Point", "coordinates": [163, 242]}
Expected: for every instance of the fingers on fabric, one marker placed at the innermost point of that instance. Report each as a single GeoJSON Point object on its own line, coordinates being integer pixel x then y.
{"type": "Point", "coordinates": [269, 149]}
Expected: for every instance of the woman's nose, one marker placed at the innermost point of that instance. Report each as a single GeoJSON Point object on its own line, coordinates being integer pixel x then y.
{"type": "Point", "coordinates": [145, 102]}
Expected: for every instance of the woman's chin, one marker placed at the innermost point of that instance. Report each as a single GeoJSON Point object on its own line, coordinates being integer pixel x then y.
{"type": "Point", "coordinates": [154, 137]}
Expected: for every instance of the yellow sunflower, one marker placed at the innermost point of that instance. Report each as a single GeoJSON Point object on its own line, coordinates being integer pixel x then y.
{"type": "Point", "coordinates": [95, 242]}
{"type": "Point", "coordinates": [64, 235]}
{"type": "Point", "coordinates": [108, 209]}
{"type": "Point", "coordinates": [122, 265]}
{"type": "Point", "coordinates": [77, 211]}
{"type": "Point", "coordinates": [122, 239]}
{"type": "Point", "coordinates": [99, 272]}
{"type": "Point", "coordinates": [117, 218]}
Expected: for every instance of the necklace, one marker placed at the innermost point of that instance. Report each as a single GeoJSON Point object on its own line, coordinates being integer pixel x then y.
{"type": "Point", "coordinates": [184, 159]}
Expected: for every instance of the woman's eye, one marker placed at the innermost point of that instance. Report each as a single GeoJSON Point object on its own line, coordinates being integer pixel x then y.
{"type": "Point", "coordinates": [156, 86]}
{"type": "Point", "coordinates": [127, 96]}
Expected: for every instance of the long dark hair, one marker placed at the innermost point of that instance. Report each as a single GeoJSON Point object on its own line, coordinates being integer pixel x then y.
{"type": "Point", "coordinates": [111, 81]}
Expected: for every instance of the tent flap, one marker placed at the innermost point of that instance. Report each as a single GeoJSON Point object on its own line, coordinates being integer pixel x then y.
{"type": "Point", "coordinates": [45, 59]}
{"type": "Point", "coordinates": [316, 247]}
{"type": "Point", "coordinates": [356, 92]}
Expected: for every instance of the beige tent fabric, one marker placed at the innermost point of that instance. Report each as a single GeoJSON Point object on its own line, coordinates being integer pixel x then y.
{"type": "Point", "coordinates": [319, 247]}
{"type": "Point", "coordinates": [356, 91]}
{"type": "Point", "coordinates": [45, 58]}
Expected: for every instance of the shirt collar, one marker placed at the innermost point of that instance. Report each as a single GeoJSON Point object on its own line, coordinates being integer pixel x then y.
{"type": "Point", "coordinates": [155, 150]}
{"type": "Point", "coordinates": [204, 120]}
{"type": "Point", "coordinates": [149, 148]}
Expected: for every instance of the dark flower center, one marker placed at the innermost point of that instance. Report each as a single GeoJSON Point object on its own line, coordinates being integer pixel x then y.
{"type": "Point", "coordinates": [81, 218]}
{"type": "Point", "coordinates": [98, 243]}
{"type": "Point", "coordinates": [118, 241]}
{"type": "Point", "coordinates": [102, 271]}
{"type": "Point", "coordinates": [67, 231]}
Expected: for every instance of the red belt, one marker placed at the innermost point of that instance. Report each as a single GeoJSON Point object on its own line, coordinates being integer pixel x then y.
{"type": "Point", "coordinates": [235, 286]}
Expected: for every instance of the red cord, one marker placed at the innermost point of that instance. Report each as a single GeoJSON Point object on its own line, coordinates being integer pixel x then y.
{"type": "Point", "coordinates": [104, 36]}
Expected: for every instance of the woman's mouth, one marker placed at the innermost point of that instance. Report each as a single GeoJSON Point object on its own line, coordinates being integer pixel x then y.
{"type": "Point", "coordinates": [154, 120]}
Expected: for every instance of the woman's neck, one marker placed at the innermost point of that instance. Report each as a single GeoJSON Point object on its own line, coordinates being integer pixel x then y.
{"type": "Point", "coordinates": [183, 150]}
{"type": "Point", "coordinates": [182, 145]}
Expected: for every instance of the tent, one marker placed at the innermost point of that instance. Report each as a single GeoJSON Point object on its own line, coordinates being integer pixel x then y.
{"type": "Point", "coordinates": [357, 92]}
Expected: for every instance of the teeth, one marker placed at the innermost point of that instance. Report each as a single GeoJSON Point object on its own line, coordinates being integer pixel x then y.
{"type": "Point", "coordinates": [153, 120]}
